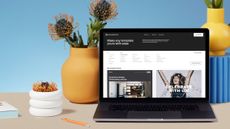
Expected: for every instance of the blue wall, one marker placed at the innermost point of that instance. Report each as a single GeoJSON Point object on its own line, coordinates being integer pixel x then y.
{"type": "Point", "coordinates": [27, 54]}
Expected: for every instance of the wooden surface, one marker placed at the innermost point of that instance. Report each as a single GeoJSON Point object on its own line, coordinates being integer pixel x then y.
{"type": "Point", "coordinates": [84, 112]}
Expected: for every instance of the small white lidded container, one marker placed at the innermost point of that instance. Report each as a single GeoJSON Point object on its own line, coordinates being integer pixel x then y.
{"type": "Point", "coordinates": [45, 103]}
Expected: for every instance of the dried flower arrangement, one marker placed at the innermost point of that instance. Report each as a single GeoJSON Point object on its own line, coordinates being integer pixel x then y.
{"type": "Point", "coordinates": [214, 3]}
{"type": "Point", "coordinates": [100, 10]}
{"type": "Point", "coordinates": [44, 87]}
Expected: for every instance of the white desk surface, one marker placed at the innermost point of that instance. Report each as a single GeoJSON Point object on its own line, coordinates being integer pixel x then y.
{"type": "Point", "coordinates": [85, 112]}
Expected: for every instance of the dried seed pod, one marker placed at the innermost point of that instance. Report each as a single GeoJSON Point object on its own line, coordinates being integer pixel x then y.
{"type": "Point", "coordinates": [44, 87]}
{"type": "Point", "coordinates": [103, 9]}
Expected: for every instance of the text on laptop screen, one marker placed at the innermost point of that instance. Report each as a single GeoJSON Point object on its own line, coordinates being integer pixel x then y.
{"type": "Point", "coordinates": [154, 65]}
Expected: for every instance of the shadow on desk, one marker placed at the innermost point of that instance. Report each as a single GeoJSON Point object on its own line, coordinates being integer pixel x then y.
{"type": "Point", "coordinates": [67, 111]}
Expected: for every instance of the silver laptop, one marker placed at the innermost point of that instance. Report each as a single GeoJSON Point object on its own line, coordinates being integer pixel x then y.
{"type": "Point", "coordinates": [154, 75]}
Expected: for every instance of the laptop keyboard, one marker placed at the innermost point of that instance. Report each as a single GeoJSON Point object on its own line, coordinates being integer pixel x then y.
{"type": "Point", "coordinates": [154, 107]}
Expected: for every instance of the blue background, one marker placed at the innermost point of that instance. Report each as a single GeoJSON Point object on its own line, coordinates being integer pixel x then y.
{"type": "Point", "coordinates": [27, 53]}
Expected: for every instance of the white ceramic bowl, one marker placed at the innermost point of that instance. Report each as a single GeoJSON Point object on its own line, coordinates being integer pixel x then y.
{"type": "Point", "coordinates": [45, 112]}
{"type": "Point", "coordinates": [55, 95]}
{"type": "Point", "coordinates": [45, 104]}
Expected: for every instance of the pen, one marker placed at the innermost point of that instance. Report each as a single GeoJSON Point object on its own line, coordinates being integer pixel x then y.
{"type": "Point", "coordinates": [76, 122]}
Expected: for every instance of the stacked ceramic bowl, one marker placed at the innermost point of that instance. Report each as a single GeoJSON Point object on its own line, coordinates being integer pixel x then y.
{"type": "Point", "coordinates": [45, 103]}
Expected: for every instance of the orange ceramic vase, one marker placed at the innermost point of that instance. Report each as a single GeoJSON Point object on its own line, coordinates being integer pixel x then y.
{"type": "Point", "coordinates": [80, 75]}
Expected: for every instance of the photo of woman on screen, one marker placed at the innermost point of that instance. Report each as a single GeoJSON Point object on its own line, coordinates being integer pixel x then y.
{"type": "Point", "coordinates": [177, 84]}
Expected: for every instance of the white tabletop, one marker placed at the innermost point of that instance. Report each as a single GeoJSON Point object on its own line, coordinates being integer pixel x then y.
{"type": "Point", "coordinates": [85, 112]}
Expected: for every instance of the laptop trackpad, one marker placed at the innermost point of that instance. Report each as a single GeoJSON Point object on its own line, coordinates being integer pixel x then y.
{"type": "Point", "coordinates": [154, 114]}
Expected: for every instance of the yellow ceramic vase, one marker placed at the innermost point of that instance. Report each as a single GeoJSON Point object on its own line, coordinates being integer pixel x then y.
{"type": "Point", "coordinates": [219, 32]}
{"type": "Point", "coordinates": [80, 75]}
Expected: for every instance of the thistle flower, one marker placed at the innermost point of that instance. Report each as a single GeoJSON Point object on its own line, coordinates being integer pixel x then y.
{"type": "Point", "coordinates": [103, 9]}
{"type": "Point", "coordinates": [63, 27]}
{"type": "Point", "coordinates": [45, 87]}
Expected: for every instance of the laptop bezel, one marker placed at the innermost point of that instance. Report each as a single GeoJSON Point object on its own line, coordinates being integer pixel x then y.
{"type": "Point", "coordinates": [201, 30]}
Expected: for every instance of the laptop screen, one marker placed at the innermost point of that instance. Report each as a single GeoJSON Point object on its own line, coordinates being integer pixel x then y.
{"type": "Point", "coordinates": [154, 64]}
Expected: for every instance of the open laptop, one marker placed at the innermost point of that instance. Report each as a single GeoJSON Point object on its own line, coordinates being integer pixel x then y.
{"type": "Point", "coordinates": [154, 75]}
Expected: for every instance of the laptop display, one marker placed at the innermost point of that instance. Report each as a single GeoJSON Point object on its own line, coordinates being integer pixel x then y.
{"type": "Point", "coordinates": [154, 64]}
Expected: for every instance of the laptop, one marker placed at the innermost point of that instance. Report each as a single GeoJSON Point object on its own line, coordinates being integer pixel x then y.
{"type": "Point", "coordinates": [154, 75]}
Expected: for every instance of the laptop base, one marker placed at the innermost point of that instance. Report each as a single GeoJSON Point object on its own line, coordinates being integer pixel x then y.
{"type": "Point", "coordinates": [105, 113]}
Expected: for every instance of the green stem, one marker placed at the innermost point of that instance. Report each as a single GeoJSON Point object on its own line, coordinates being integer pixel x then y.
{"type": "Point", "coordinates": [93, 29]}
{"type": "Point", "coordinates": [213, 4]}
{"type": "Point", "coordinates": [69, 42]}
{"type": "Point", "coordinates": [208, 3]}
